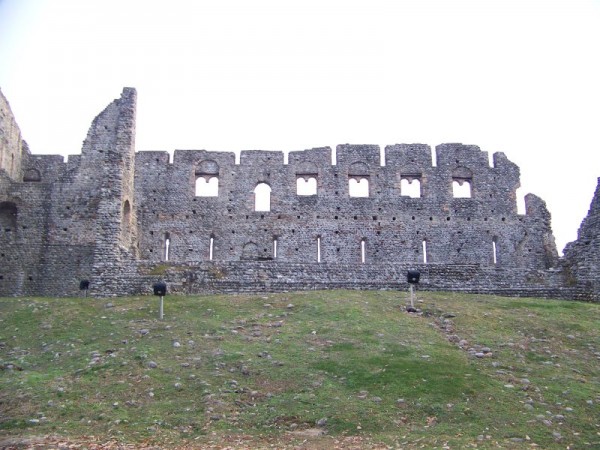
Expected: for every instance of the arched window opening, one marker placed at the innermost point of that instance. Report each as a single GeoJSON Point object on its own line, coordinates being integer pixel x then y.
{"type": "Point", "coordinates": [32, 175]}
{"type": "Point", "coordinates": [262, 197]}
{"type": "Point", "coordinates": [126, 209]}
{"type": "Point", "coordinates": [363, 249]}
{"type": "Point", "coordinates": [495, 251]}
{"type": "Point", "coordinates": [306, 186]}
{"type": "Point", "coordinates": [250, 251]}
{"type": "Point", "coordinates": [461, 188]}
{"type": "Point", "coordinates": [167, 246]}
{"type": "Point", "coordinates": [207, 179]}
{"type": "Point", "coordinates": [126, 213]}
{"type": "Point", "coordinates": [126, 224]}
{"type": "Point", "coordinates": [358, 188]}
{"type": "Point", "coordinates": [211, 248]}
{"type": "Point", "coordinates": [424, 245]}
{"type": "Point", "coordinates": [207, 187]}
{"type": "Point", "coordinates": [8, 216]}
{"type": "Point", "coordinates": [306, 178]}
{"type": "Point", "coordinates": [410, 187]}
{"type": "Point", "coordinates": [462, 182]}
{"type": "Point", "coordinates": [319, 249]}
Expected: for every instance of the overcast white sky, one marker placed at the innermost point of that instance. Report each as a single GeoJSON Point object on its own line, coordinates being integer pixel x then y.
{"type": "Point", "coordinates": [517, 76]}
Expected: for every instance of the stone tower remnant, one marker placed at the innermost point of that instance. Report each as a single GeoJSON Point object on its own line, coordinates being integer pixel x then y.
{"type": "Point", "coordinates": [582, 257]}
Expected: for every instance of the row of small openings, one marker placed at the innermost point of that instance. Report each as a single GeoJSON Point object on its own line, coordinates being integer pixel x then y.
{"type": "Point", "coordinates": [30, 278]}
{"type": "Point", "coordinates": [356, 189]}
{"type": "Point", "coordinates": [360, 188]}
{"type": "Point", "coordinates": [280, 216]}
{"type": "Point", "coordinates": [375, 218]}
{"type": "Point", "coordinates": [294, 231]}
{"type": "Point", "coordinates": [318, 249]}
{"type": "Point", "coordinates": [363, 249]}
{"type": "Point", "coordinates": [494, 250]}
{"type": "Point", "coordinates": [167, 247]}
{"type": "Point", "coordinates": [309, 188]}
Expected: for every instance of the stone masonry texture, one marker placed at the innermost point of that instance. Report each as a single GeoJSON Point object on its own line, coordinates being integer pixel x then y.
{"type": "Point", "coordinates": [124, 220]}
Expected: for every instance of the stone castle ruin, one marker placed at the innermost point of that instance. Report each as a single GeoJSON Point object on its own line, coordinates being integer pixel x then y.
{"type": "Point", "coordinates": [203, 223]}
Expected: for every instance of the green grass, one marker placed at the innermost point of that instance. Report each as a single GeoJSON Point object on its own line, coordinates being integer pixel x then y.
{"type": "Point", "coordinates": [260, 371]}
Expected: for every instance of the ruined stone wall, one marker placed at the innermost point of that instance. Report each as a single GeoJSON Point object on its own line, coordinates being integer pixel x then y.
{"type": "Point", "coordinates": [275, 276]}
{"type": "Point", "coordinates": [62, 222]}
{"type": "Point", "coordinates": [124, 220]}
{"type": "Point", "coordinates": [582, 257]}
{"type": "Point", "coordinates": [15, 238]}
{"type": "Point", "coordinates": [47, 246]}
{"type": "Point", "coordinates": [331, 225]}
{"type": "Point", "coordinates": [12, 147]}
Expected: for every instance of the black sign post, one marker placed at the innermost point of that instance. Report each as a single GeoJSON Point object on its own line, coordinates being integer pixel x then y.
{"type": "Point", "coordinates": [412, 277]}
{"type": "Point", "coordinates": [160, 289]}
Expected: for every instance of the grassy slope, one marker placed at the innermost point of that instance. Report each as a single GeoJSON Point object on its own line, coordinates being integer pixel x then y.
{"type": "Point", "coordinates": [255, 370]}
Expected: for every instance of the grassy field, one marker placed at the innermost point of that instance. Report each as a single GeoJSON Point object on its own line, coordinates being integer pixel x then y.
{"type": "Point", "coordinates": [327, 369]}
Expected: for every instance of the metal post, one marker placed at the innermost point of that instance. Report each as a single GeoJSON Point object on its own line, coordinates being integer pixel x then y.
{"type": "Point", "coordinates": [160, 289]}
{"type": "Point", "coordinates": [412, 277]}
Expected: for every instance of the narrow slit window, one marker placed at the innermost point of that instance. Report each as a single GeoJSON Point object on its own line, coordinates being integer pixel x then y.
{"type": "Point", "coordinates": [211, 248]}
{"type": "Point", "coordinates": [274, 248]}
{"type": "Point", "coordinates": [363, 256]}
{"type": "Point", "coordinates": [319, 249]}
{"type": "Point", "coordinates": [494, 251]}
{"type": "Point", "coordinates": [424, 245]}
{"type": "Point", "coordinates": [167, 246]}
{"type": "Point", "coordinates": [126, 222]}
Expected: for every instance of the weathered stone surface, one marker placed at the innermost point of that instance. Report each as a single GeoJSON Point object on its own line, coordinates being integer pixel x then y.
{"type": "Point", "coordinates": [582, 257]}
{"type": "Point", "coordinates": [123, 220]}
{"type": "Point", "coordinates": [12, 146]}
